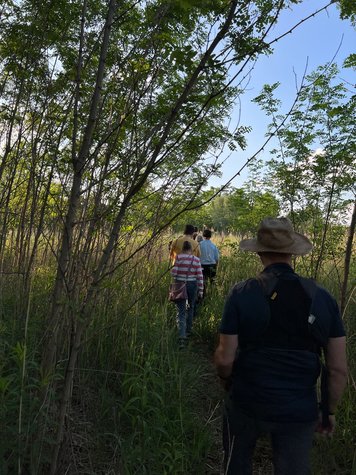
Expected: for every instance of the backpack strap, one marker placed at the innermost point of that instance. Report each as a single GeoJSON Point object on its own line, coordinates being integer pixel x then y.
{"type": "Point", "coordinates": [268, 282]}
{"type": "Point", "coordinates": [316, 323]}
{"type": "Point", "coordinates": [310, 286]}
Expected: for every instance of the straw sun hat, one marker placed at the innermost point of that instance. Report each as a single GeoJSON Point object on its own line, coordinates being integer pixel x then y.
{"type": "Point", "coordinates": [277, 235]}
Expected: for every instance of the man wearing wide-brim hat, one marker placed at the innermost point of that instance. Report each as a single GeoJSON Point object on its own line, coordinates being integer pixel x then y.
{"type": "Point", "coordinates": [271, 333]}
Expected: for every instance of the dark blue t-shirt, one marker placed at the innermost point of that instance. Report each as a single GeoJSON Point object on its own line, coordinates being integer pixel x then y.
{"type": "Point", "coordinates": [276, 370]}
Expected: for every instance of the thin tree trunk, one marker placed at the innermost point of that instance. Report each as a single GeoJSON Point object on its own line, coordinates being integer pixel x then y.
{"type": "Point", "coordinates": [49, 358]}
{"type": "Point", "coordinates": [348, 254]}
{"type": "Point", "coordinates": [52, 325]}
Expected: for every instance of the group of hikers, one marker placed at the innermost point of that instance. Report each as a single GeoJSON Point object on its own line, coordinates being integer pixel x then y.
{"type": "Point", "coordinates": [273, 331]}
{"type": "Point", "coordinates": [195, 259]}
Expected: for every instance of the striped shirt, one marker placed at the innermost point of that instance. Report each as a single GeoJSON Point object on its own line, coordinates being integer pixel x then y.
{"type": "Point", "coordinates": [188, 268]}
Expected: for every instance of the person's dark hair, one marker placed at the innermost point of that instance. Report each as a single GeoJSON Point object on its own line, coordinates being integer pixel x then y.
{"type": "Point", "coordinates": [189, 229]}
{"type": "Point", "coordinates": [207, 233]}
{"type": "Point", "coordinates": [186, 246]}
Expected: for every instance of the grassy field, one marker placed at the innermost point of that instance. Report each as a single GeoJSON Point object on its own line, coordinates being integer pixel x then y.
{"type": "Point", "coordinates": [139, 405]}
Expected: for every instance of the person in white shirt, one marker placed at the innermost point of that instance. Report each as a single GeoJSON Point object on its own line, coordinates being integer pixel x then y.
{"type": "Point", "coordinates": [209, 258]}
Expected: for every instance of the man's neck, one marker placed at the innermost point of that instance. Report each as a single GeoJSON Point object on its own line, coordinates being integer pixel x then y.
{"type": "Point", "coordinates": [267, 261]}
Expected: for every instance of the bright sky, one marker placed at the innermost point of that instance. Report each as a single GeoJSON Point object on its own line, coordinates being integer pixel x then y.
{"type": "Point", "coordinates": [312, 44]}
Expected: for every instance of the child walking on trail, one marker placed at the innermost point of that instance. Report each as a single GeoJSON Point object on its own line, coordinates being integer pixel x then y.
{"type": "Point", "coordinates": [187, 268]}
{"type": "Point", "coordinates": [209, 257]}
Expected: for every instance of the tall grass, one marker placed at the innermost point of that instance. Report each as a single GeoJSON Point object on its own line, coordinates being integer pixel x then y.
{"type": "Point", "coordinates": [139, 405]}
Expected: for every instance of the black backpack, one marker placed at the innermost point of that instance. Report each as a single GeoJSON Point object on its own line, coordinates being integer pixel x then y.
{"type": "Point", "coordinates": [317, 329]}
{"type": "Point", "coordinates": [316, 326]}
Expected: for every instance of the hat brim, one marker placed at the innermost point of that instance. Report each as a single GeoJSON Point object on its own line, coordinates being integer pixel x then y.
{"type": "Point", "coordinates": [300, 246]}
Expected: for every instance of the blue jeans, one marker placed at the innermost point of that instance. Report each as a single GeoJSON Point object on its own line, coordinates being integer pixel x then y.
{"type": "Point", "coordinates": [291, 443]}
{"type": "Point", "coordinates": [185, 310]}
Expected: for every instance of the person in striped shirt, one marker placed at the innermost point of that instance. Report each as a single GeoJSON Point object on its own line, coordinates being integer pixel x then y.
{"type": "Point", "coordinates": [187, 268]}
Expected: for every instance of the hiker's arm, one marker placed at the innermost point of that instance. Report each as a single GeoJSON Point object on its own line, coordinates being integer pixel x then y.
{"type": "Point", "coordinates": [172, 249]}
{"type": "Point", "coordinates": [225, 355]}
{"type": "Point", "coordinates": [336, 365]}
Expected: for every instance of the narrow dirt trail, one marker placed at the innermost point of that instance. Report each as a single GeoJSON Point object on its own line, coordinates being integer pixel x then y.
{"type": "Point", "coordinates": [212, 399]}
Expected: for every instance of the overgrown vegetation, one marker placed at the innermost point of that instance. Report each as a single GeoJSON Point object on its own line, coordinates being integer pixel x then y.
{"type": "Point", "coordinates": [108, 111]}
{"type": "Point", "coordinates": [139, 405]}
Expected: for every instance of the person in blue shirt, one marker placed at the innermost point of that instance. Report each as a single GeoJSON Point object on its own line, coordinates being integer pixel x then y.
{"type": "Point", "coordinates": [209, 258]}
{"type": "Point", "coordinates": [272, 331]}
